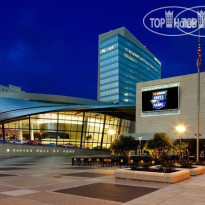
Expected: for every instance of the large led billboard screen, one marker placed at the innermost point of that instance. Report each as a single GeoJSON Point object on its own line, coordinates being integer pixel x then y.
{"type": "Point", "coordinates": [160, 99]}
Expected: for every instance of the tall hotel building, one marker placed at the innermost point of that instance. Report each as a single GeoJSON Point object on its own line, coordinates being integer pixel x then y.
{"type": "Point", "coordinates": [122, 62]}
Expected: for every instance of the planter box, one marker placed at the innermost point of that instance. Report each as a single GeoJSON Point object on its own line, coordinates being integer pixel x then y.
{"type": "Point", "coordinates": [197, 171]}
{"type": "Point", "coordinates": [152, 176]}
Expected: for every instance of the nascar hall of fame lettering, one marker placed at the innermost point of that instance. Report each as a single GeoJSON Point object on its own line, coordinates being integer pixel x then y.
{"type": "Point", "coordinates": [159, 99]}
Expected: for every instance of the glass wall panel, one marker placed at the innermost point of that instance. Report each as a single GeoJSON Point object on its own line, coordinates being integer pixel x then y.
{"type": "Point", "coordinates": [44, 128]}
{"type": "Point", "coordinates": [17, 132]}
{"type": "Point", "coordinates": [66, 129]}
{"type": "Point", "coordinates": [1, 134]}
{"type": "Point", "coordinates": [92, 133]}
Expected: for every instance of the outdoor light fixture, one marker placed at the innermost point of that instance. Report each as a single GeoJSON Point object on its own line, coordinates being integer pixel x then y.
{"type": "Point", "coordinates": [180, 129]}
{"type": "Point", "coordinates": [140, 144]}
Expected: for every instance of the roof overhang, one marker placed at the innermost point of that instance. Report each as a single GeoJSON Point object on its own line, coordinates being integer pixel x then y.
{"type": "Point", "coordinates": [11, 108]}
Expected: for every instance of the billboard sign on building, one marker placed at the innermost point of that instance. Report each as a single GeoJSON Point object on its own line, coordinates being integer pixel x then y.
{"type": "Point", "coordinates": [160, 97]}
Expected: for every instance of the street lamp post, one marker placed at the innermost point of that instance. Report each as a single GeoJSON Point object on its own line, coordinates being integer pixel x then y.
{"type": "Point", "coordinates": [198, 96]}
{"type": "Point", "coordinates": [140, 141]}
{"type": "Point", "coordinates": [180, 129]}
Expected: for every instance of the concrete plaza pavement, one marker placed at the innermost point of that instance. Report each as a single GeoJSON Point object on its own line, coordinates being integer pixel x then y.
{"type": "Point", "coordinates": [52, 180]}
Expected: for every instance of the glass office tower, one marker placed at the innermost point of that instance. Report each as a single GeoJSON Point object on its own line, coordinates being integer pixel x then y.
{"type": "Point", "coordinates": [122, 62]}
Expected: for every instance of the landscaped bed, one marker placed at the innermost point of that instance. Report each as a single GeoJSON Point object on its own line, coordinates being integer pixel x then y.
{"type": "Point", "coordinates": [154, 176]}
{"type": "Point", "coordinates": [153, 170]}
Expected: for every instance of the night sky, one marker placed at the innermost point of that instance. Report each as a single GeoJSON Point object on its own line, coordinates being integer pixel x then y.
{"type": "Point", "coordinates": [52, 46]}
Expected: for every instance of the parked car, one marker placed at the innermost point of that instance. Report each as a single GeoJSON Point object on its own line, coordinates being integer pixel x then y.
{"type": "Point", "coordinates": [15, 141]}
{"type": "Point", "coordinates": [25, 142]}
{"type": "Point", "coordinates": [32, 142]}
{"type": "Point", "coordinates": [51, 145]}
{"type": "Point", "coordinates": [70, 145]}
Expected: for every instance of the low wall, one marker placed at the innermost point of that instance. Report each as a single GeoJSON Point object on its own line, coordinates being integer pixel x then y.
{"type": "Point", "coordinates": [172, 178]}
{"type": "Point", "coordinates": [34, 150]}
{"type": "Point", "coordinates": [197, 171]}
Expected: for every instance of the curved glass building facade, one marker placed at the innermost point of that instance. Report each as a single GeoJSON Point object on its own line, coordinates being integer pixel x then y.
{"type": "Point", "coordinates": [80, 129]}
{"type": "Point", "coordinates": [80, 126]}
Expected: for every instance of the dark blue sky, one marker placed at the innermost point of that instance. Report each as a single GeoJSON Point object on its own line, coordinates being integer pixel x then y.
{"type": "Point", "coordinates": [51, 46]}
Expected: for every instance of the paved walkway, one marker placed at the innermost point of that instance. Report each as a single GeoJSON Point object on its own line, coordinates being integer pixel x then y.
{"type": "Point", "coordinates": [52, 180]}
{"type": "Point", "coordinates": [188, 192]}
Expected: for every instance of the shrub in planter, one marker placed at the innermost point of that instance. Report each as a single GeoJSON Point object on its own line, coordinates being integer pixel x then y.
{"type": "Point", "coordinates": [186, 164]}
{"type": "Point", "coordinates": [169, 168]}
{"type": "Point", "coordinates": [160, 168]}
{"type": "Point", "coordinates": [200, 163]}
{"type": "Point", "coordinates": [166, 167]}
{"type": "Point", "coordinates": [124, 144]}
{"type": "Point", "coordinates": [159, 145]}
{"type": "Point", "coordinates": [145, 165]}
{"type": "Point", "coordinates": [134, 167]}
{"type": "Point", "coordinates": [138, 159]}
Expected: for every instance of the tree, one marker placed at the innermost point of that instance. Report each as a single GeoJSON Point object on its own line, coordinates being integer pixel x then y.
{"type": "Point", "coordinates": [188, 145]}
{"type": "Point", "coordinates": [183, 147]}
{"type": "Point", "coordinates": [184, 144]}
{"type": "Point", "coordinates": [192, 147]}
{"type": "Point", "coordinates": [159, 145]}
{"type": "Point", "coordinates": [124, 145]}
